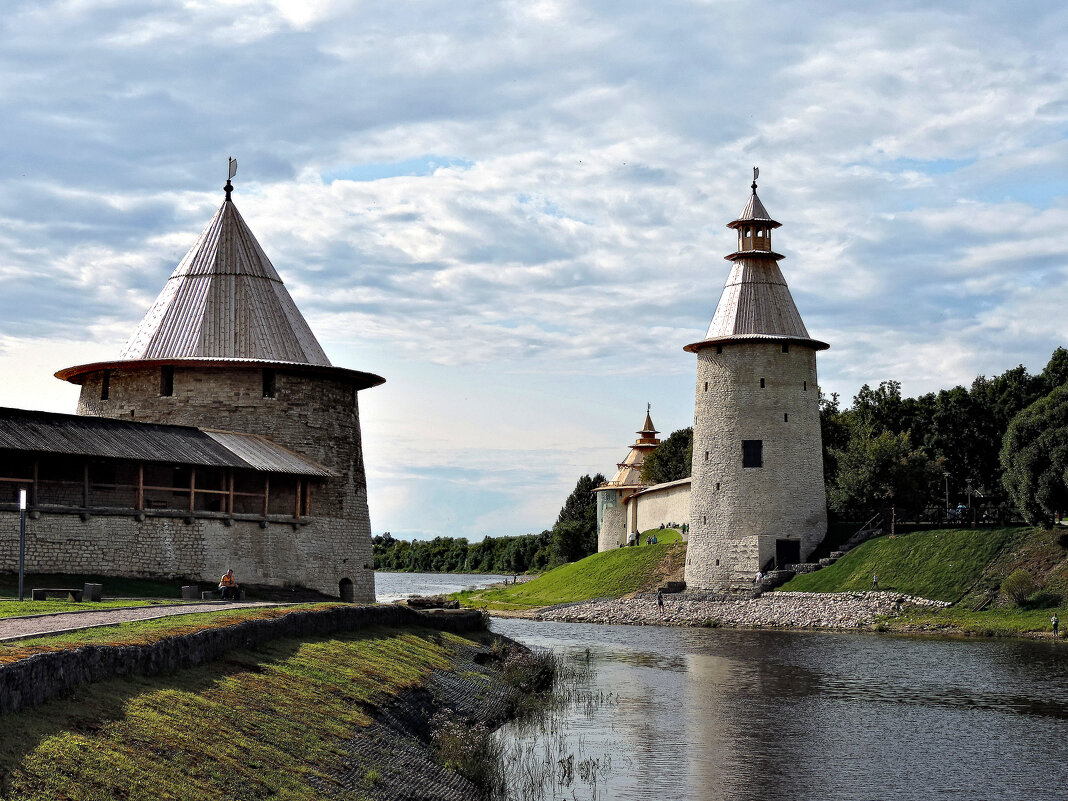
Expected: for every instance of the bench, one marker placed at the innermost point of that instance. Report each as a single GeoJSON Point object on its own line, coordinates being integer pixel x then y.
{"type": "Point", "coordinates": [42, 593]}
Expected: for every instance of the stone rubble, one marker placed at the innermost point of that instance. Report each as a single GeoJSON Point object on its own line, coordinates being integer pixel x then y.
{"type": "Point", "coordinates": [799, 610]}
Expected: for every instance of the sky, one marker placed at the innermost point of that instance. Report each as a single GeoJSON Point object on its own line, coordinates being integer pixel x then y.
{"type": "Point", "coordinates": [515, 211]}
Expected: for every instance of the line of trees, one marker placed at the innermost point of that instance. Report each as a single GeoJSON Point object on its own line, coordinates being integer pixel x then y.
{"type": "Point", "coordinates": [573, 536]}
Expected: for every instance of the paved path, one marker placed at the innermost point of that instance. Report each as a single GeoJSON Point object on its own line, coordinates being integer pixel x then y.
{"type": "Point", "coordinates": [18, 628]}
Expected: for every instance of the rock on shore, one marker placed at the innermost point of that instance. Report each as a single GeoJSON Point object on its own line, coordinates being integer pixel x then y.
{"type": "Point", "coordinates": [802, 610]}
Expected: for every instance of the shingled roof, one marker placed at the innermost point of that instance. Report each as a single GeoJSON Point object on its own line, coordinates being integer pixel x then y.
{"type": "Point", "coordinates": [225, 300]}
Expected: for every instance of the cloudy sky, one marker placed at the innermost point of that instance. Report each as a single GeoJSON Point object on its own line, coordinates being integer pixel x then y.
{"type": "Point", "coordinates": [514, 211]}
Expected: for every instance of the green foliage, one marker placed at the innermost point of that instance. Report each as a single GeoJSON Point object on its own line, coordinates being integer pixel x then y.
{"type": "Point", "coordinates": [1018, 586]}
{"type": "Point", "coordinates": [941, 565]}
{"type": "Point", "coordinates": [603, 575]}
{"type": "Point", "coordinates": [671, 460]}
{"type": "Point", "coordinates": [877, 470]}
{"type": "Point", "coordinates": [997, 622]}
{"type": "Point", "coordinates": [1035, 458]}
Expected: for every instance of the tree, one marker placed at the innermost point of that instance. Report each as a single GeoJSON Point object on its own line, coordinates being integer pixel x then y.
{"type": "Point", "coordinates": [671, 459]}
{"type": "Point", "coordinates": [575, 533]}
{"type": "Point", "coordinates": [1035, 457]}
{"type": "Point", "coordinates": [877, 470]}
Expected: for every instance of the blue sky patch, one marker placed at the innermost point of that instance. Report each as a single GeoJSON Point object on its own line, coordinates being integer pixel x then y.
{"type": "Point", "coordinates": [418, 166]}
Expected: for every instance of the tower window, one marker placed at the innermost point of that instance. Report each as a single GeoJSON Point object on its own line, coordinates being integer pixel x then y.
{"type": "Point", "coordinates": [786, 417]}
{"type": "Point", "coordinates": [270, 383]}
{"type": "Point", "coordinates": [752, 453]}
{"type": "Point", "coordinates": [706, 386]}
{"type": "Point", "coordinates": [762, 385]}
{"type": "Point", "coordinates": [706, 456]}
{"type": "Point", "coordinates": [105, 385]}
{"type": "Point", "coordinates": [785, 347]}
{"type": "Point", "coordinates": [717, 486]}
{"type": "Point", "coordinates": [719, 349]}
{"type": "Point", "coordinates": [166, 382]}
{"type": "Point", "coordinates": [804, 386]}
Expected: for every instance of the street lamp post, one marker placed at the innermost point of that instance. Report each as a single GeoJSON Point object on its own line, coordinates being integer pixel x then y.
{"type": "Point", "coordinates": [947, 492]}
{"type": "Point", "coordinates": [22, 542]}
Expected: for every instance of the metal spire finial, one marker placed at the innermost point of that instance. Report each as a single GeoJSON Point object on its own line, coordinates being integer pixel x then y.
{"type": "Point", "coordinates": [756, 174]}
{"type": "Point", "coordinates": [231, 171]}
{"type": "Point", "coordinates": [648, 408]}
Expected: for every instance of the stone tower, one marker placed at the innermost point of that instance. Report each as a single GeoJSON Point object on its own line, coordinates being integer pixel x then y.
{"type": "Point", "coordinates": [757, 495]}
{"type": "Point", "coordinates": [612, 526]}
{"type": "Point", "coordinates": [224, 347]}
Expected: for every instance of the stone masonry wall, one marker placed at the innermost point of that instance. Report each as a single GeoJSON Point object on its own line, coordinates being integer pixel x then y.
{"type": "Point", "coordinates": [313, 414]}
{"type": "Point", "coordinates": [663, 504]}
{"type": "Point", "coordinates": [736, 513]}
{"type": "Point", "coordinates": [40, 678]}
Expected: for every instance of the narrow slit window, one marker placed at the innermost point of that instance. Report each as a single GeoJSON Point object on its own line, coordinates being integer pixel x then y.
{"type": "Point", "coordinates": [804, 386]}
{"type": "Point", "coordinates": [786, 417]}
{"type": "Point", "coordinates": [270, 383]}
{"type": "Point", "coordinates": [762, 384]}
{"type": "Point", "coordinates": [706, 456]}
{"type": "Point", "coordinates": [719, 349]}
{"type": "Point", "coordinates": [166, 382]}
{"type": "Point", "coordinates": [706, 386]}
{"type": "Point", "coordinates": [717, 486]}
{"type": "Point", "coordinates": [752, 453]}
{"type": "Point", "coordinates": [105, 386]}
{"type": "Point", "coordinates": [785, 347]}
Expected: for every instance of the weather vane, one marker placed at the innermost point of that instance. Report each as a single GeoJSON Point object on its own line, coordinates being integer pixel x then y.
{"type": "Point", "coordinates": [231, 171]}
{"type": "Point", "coordinates": [756, 174]}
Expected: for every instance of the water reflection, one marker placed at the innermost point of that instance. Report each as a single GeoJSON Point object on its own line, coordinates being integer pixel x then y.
{"type": "Point", "coordinates": [730, 714]}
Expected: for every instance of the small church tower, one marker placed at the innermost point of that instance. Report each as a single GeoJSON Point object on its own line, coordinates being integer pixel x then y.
{"type": "Point", "coordinates": [757, 496]}
{"type": "Point", "coordinates": [612, 523]}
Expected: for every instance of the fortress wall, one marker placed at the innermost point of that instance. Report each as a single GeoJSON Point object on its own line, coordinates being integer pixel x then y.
{"type": "Point", "coordinates": [313, 414]}
{"type": "Point", "coordinates": [733, 529]}
{"type": "Point", "coordinates": [169, 547]}
{"type": "Point", "coordinates": [666, 503]}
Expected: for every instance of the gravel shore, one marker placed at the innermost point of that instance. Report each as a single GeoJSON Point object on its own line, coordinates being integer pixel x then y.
{"type": "Point", "coordinates": [799, 610]}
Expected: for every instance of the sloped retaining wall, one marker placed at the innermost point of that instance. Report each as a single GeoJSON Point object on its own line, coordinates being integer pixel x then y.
{"type": "Point", "coordinates": [40, 678]}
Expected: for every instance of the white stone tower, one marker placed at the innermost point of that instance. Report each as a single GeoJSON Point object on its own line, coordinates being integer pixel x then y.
{"type": "Point", "coordinates": [612, 524]}
{"type": "Point", "coordinates": [757, 496]}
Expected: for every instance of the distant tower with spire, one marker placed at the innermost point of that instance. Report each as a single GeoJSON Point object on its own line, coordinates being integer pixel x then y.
{"type": "Point", "coordinates": [612, 520]}
{"type": "Point", "coordinates": [757, 494]}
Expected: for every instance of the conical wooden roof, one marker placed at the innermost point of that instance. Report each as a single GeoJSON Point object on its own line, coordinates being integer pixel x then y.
{"type": "Point", "coordinates": [225, 301]}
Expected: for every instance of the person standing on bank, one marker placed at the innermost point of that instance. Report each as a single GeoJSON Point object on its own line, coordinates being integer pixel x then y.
{"type": "Point", "coordinates": [1054, 622]}
{"type": "Point", "coordinates": [660, 600]}
{"type": "Point", "coordinates": [228, 586]}
{"type": "Point", "coordinates": [875, 581]}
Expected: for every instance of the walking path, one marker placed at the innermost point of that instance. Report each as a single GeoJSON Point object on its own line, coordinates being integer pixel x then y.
{"type": "Point", "coordinates": [20, 628]}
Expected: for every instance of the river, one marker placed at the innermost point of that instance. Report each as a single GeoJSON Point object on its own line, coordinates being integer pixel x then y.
{"type": "Point", "coordinates": [394, 586]}
{"type": "Point", "coordinates": [711, 714]}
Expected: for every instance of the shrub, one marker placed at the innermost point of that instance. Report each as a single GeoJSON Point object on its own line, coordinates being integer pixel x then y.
{"type": "Point", "coordinates": [1018, 586]}
{"type": "Point", "coordinates": [1042, 599]}
{"type": "Point", "coordinates": [470, 750]}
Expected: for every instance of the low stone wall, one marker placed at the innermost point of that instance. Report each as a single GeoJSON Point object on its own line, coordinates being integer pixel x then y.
{"type": "Point", "coordinates": [40, 678]}
{"type": "Point", "coordinates": [802, 610]}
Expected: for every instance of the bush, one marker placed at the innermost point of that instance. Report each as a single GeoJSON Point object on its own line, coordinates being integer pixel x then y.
{"type": "Point", "coordinates": [1018, 586]}
{"type": "Point", "coordinates": [1042, 599]}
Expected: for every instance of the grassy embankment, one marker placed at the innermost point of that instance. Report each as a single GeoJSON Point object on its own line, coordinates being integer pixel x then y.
{"type": "Point", "coordinates": [611, 574]}
{"type": "Point", "coordinates": [964, 566]}
{"type": "Point", "coordinates": [269, 723]}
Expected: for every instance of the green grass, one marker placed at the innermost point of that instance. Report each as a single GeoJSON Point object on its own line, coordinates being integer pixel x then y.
{"type": "Point", "coordinates": [23, 608]}
{"type": "Point", "coordinates": [609, 574]}
{"type": "Point", "coordinates": [941, 565]}
{"type": "Point", "coordinates": [114, 586]}
{"type": "Point", "coordinates": [269, 723]}
{"type": "Point", "coordinates": [997, 622]}
{"type": "Point", "coordinates": [664, 536]}
{"type": "Point", "coordinates": [143, 632]}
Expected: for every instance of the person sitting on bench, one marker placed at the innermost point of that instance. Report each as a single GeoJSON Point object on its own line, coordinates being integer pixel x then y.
{"type": "Point", "coordinates": [228, 586]}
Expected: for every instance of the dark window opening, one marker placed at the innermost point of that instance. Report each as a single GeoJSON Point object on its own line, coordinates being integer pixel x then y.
{"type": "Point", "coordinates": [166, 382]}
{"type": "Point", "coordinates": [719, 349]}
{"type": "Point", "coordinates": [786, 417]}
{"type": "Point", "coordinates": [785, 347]}
{"type": "Point", "coordinates": [717, 486]}
{"type": "Point", "coordinates": [706, 386]}
{"type": "Point", "coordinates": [752, 453]}
{"type": "Point", "coordinates": [105, 386]}
{"type": "Point", "coordinates": [270, 383]}
{"type": "Point", "coordinates": [762, 385]}
{"type": "Point", "coordinates": [706, 456]}
{"type": "Point", "coordinates": [804, 386]}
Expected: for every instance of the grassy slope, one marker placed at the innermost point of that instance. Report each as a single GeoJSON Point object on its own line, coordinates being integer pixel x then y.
{"type": "Point", "coordinates": [268, 723]}
{"type": "Point", "coordinates": [23, 608]}
{"type": "Point", "coordinates": [609, 574]}
{"type": "Point", "coordinates": [941, 565]}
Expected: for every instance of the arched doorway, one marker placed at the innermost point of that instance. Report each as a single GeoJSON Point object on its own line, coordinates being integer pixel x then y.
{"type": "Point", "coordinates": [348, 594]}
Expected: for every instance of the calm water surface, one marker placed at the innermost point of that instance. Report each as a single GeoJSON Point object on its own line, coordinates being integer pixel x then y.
{"type": "Point", "coordinates": [710, 714]}
{"type": "Point", "coordinates": [393, 586]}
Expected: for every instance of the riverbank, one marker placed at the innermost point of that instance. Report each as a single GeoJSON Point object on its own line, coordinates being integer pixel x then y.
{"type": "Point", "coordinates": [795, 610]}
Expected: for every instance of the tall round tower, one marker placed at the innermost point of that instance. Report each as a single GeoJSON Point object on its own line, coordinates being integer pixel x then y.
{"type": "Point", "coordinates": [225, 349]}
{"type": "Point", "coordinates": [612, 525]}
{"type": "Point", "coordinates": [757, 495]}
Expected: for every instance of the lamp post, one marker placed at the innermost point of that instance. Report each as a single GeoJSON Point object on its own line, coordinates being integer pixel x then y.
{"type": "Point", "coordinates": [22, 542]}
{"type": "Point", "coordinates": [947, 492]}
